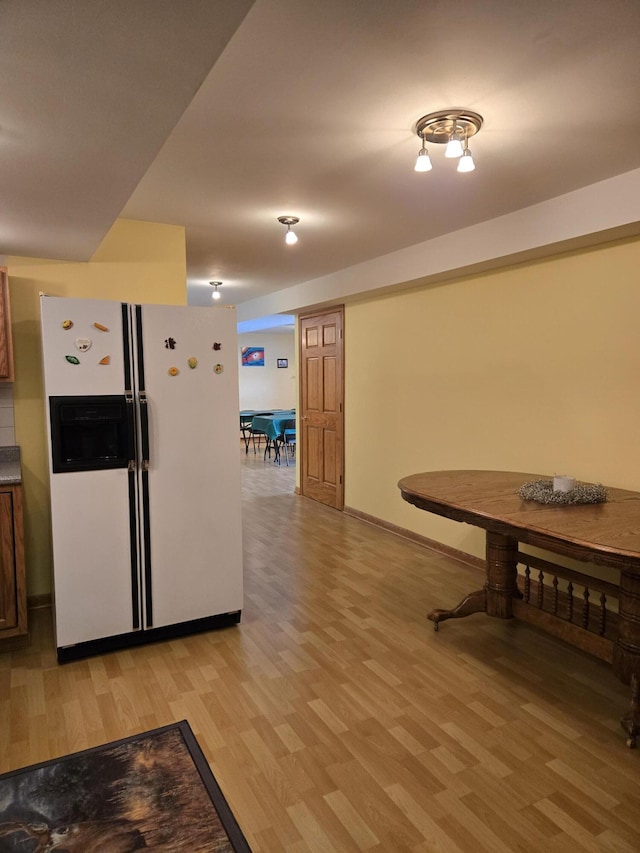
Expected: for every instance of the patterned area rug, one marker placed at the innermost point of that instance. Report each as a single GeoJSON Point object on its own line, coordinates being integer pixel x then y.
{"type": "Point", "coordinates": [152, 791]}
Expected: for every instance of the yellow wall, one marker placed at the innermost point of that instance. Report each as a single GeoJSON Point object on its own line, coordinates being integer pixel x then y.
{"type": "Point", "coordinates": [533, 368]}
{"type": "Point", "coordinates": [136, 262]}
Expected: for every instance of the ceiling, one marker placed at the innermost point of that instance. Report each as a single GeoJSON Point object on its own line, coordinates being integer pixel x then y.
{"type": "Point", "coordinates": [221, 116]}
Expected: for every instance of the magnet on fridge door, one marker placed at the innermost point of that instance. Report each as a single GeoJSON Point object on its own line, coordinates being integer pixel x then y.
{"type": "Point", "coordinates": [192, 362]}
{"type": "Point", "coordinates": [105, 360]}
{"type": "Point", "coordinates": [83, 344]}
{"type": "Point", "coordinates": [101, 327]}
{"type": "Point", "coordinates": [170, 343]}
{"type": "Point", "coordinates": [217, 347]}
{"type": "Point", "coordinates": [72, 359]}
{"type": "Point", "coordinates": [67, 324]}
{"type": "Point", "coordinates": [173, 371]}
{"type": "Point", "coordinates": [218, 368]}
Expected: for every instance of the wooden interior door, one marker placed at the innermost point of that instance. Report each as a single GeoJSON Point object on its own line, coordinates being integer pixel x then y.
{"type": "Point", "coordinates": [321, 421]}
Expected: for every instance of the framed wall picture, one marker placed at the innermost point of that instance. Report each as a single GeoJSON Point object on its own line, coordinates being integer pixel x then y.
{"type": "Point", "coordinates": [253, 356]}
{"type": "Point", "coordinates": [283, 362]}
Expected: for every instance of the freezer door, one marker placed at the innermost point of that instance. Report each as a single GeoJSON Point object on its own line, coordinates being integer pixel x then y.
{"type": "Point", "coordinates": [96, 584]}
{"type": "Point", "coordinates": [194, 515]}
{"type": "Point", "coordinates": [82, 346]}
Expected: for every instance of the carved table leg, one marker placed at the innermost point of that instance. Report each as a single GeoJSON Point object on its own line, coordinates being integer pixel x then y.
{"type": "Point", "coordinates": [631, 720]}
{"type": "Point", "coordinates": [500, 588]}
{"type": "Point", "coordinates": [626, 652]}
{"type": "Point", "coordinates": [475, 602]}
{"type": "Point", "coordinates": [502, 574]}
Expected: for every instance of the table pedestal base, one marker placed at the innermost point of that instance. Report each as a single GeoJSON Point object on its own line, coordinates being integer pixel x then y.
{"type": "Point", "coordinates": [631, 720]}
{"type": "Point", "coordinates": [626, 651]}
{"type": "Point", "coordinates": [495, 599]}
{"type": "Point", "coordinates": [475, 602]}
{"type": "Point", "coordinates": [499, 590]}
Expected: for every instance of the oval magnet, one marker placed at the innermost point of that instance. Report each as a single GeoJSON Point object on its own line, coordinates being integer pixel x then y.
{"type": "Point", "coordinates": [192, 362]}
{"type": "Point", "coordinates": [72, 359]}
{"type": "Point", "coordinates": [83, 344]}
{"type": "Point", "coordinates": [218, 368]}
{"type": "Point", "coordinates": [173, 371]}
{"type": "Point", "coordinates": [67, 324]}
{"type": "Point", "coordinates": [101, 327]}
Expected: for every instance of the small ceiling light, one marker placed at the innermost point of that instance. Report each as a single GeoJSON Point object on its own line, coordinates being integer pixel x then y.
{"type": "Point", "coordinates": [423, 161]}
{"type": "Point", "coordinates": [290, 237]}
{"type": "Point", "coordinates": [216, 293]}
{"type": "Point", "coordinates": [451, 128]}
{"type": "Point", "coordinates": [465, 163]}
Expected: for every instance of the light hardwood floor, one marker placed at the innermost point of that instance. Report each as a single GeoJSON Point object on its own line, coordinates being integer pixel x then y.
{"type": "Point", "coordinates": [336, 719]}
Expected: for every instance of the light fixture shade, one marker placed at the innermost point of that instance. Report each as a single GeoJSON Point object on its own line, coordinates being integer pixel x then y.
{"type": "Point", "coordinates": [216, 293]}
{"type": "Point", "coordinates": [290, 237]}
{"type": "Point", "coordinates": [454, 147]}
{"type": "Point", "coordinates": [423, 161]}
{"type": "Point", "coordinates": [465, 163]}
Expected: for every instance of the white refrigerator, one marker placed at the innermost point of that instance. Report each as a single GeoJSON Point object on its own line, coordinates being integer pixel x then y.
{"type": "Point", "coordinates": [142, 414]}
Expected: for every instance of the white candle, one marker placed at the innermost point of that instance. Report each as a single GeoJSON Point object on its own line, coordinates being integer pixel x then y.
{"type": "Point", "coordinates": [563, 483]}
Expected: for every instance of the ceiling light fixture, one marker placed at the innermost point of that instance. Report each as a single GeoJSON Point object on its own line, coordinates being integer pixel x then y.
{"type": "Point", "coordinates": [453, 129]}
{"type": "Point", "coordinates": [216, 293]}
{"type": "Point", "coordinates": [290, 237]}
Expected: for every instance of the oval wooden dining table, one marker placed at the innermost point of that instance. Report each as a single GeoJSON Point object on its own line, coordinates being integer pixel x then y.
{"type": "Point", "coordinates": [606, 534]}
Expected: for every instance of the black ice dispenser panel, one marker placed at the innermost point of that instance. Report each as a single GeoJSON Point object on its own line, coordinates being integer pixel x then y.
{"type": "Point", "coordinates": [90, 433]}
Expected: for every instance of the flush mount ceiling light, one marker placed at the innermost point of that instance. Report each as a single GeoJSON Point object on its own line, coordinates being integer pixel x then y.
{"type": "Point", "coordinates": [451, 128]}
{"type": "Point", "coordinates": [216, 293]}
{"type": "Point", "coordinates": [290, 237]}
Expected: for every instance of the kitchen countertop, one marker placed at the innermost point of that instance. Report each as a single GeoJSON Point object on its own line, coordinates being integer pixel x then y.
{"type": "Point", "coordinates": [10, 474]}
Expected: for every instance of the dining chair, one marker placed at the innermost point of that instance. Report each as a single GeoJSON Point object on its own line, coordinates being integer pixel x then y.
{"type": "Point", "coordinates": [259, 434]}
{"type": "Point", "coordinates": [245, 429]}
{"type": "Point", "coordinates": [287, 439]}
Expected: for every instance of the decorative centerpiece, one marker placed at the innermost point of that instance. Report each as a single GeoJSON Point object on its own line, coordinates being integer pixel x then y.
{"type": "Point", "coordinates": [563, 491]}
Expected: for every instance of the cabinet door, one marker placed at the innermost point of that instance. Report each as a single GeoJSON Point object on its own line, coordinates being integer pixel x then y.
{"type": "Point", "coordinates": [6, 342]}
{"type": "Point", "coordinates": [8, 592]}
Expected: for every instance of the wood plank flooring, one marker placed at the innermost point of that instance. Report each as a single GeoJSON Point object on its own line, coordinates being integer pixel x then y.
{"type": "Point", "coordinates": [336, 719]}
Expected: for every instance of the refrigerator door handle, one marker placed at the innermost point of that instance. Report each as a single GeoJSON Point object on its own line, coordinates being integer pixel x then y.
{"type": "Point", "coordinates": [144, 429]}
{"type": "Point", "coordinates": [146, 519]}
{"type": "Point", "coordinates": [131, 431]}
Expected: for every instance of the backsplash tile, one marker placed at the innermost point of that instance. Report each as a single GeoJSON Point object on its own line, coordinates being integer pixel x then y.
{"type": "Point", "coordinates": [6, 394]}
{"type": "Point", "coordinates": [7, 436]}
{"type": "Point", "coordinates": [7, 426]}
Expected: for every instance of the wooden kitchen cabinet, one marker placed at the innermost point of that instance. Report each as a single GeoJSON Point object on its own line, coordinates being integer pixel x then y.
{"type": "Point", "coordinates": [6, 340]}
{"type": "Point", "coordinates": [13, 594]}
